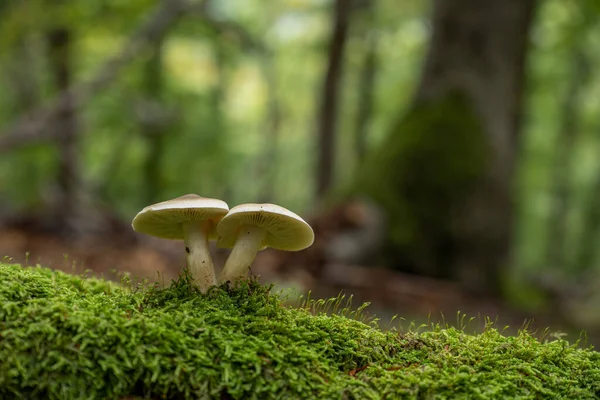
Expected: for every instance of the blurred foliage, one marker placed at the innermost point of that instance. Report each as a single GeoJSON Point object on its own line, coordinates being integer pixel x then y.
{"type": "Point", "coordinates": [215, 141]}
{"type": "Point", "coordinates": [224, 64]}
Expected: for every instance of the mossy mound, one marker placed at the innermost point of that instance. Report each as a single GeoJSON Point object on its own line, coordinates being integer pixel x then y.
{"type": "Point", "coordinates": [423, 175]}
{"type": "Point", "coordinates": [67, 337]}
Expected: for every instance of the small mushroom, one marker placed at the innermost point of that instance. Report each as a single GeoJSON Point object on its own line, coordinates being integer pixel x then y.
{"type": "Point", "coordinates": [192, 218]}
{"type": "Point", "coordinates": [249, 228]}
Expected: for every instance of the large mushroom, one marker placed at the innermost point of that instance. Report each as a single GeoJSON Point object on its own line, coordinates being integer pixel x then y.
{"type": "Point", "coordinates": [249, 228]}
{"type": "Point", "coordinates": [192, 218]}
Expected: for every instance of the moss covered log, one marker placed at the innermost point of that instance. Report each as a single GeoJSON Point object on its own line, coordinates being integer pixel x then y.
{"type": "Point", "coordinates": [68, 337]}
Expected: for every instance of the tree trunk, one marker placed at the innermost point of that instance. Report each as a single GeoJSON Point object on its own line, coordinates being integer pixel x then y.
{"type": "Point", "coordinates": [588, 238]}
{"type": "Point", "coordinates": [329, 100]}
{"type": "Point", "coordinates": [60, 44]}
{"type": "Point", "coordinates": [222, 179]}
{"type": "Point", "coordinates": [563, 167]}
{"type": "Point", "coordinates": [153, 119]}
{"type": "Point", "coordinates": [367, 80]}
{"type": "Point", "coordinates": [444, 175]}
{"type": "Point", "coordinates": [23, 77]}
{"type": "Point", "coordinates": [268, 159]}
{"type": "Point", "coordinates": [579, 75]}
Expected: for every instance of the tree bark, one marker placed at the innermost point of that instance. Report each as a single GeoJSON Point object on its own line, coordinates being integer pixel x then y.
{"type": "Point", "coordinates": [330, 98]}
{"type": "Point", "coordinates": [561, 193]}
{"type": "Point", "coordinates": [590, 232]}
{"type": "Point", "coordinates": [23, 76]}
{"type": "Point", "coordinates": [445, 172]}
{"type": "Point", "coordinates": [60, 44]}
{"type": "Point", "coordinates": [563, 168]}
{"type": "Point", "coordinates": [367, 81]}
{"type": "Point", "coordinates": [218, 103]}
{"type": "Point", "coordinates": [153, 120]}
{"type": "Point", "coordinates": [268, 159]}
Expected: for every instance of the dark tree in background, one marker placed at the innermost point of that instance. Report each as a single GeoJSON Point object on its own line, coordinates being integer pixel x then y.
{"type": "Point", "coordinates": [564, 160]}
{"type": "Point", "coordinates": [153, 121]}
{"type": "Point", "coordinates": [25, 88]}
{"type": "Point", "coordinates": [444, 174]}
{"type": "Point", "coordinates": [60, 54]}
{"type": "Point", "coordinates": [330, 98]}
{"type": "Point", "coordinates": [368, 71]}
{"type": "Point", "coordinates": [272, 129]}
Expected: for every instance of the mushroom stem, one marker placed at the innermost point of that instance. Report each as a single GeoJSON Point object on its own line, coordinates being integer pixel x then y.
{"type": "Point", "coordinates": [247, 244]}
{"type": "Point", "coordinates": [199, 261]}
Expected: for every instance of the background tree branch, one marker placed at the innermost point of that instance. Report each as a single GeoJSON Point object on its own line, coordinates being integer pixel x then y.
{"type": "Point", "coordinates": [36, 126]}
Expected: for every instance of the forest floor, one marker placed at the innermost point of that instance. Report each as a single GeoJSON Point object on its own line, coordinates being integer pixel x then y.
{"type": "Point", "coordinates": [412, 298]}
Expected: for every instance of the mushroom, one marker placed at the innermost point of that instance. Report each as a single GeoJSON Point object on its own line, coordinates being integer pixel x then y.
{"type": "Point", "coordinates": [192, 218]}
{"type": "Point", "coordinates": [249, 228]}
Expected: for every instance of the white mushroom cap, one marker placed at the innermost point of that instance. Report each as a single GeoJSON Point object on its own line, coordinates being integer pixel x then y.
{"type": "Point", "coordinates": [285, 230]}
{"type": "Point", "coordinates": [165, 219]}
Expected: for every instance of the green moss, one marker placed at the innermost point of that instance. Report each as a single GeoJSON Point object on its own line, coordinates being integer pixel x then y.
{"type": "Point", "coordinates": [422, 174]}
{"type": "Point", "coordinates": [67, 337]}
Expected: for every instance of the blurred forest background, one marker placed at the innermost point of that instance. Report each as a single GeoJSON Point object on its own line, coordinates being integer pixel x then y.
{"type": "Point", "coordinates": [447, 152]}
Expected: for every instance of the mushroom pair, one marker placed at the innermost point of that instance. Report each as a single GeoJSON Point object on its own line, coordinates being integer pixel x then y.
{"type": "Point", "coordinates": [247, 228]}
